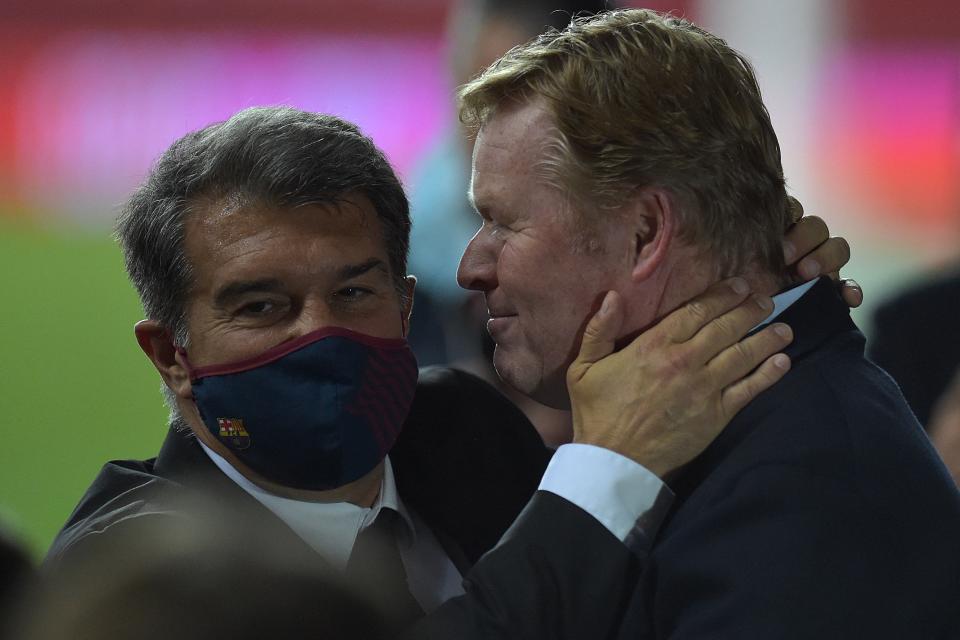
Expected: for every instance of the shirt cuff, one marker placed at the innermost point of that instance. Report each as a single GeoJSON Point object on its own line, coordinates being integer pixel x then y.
{"type": "Point", "coordinates": [624, 496]}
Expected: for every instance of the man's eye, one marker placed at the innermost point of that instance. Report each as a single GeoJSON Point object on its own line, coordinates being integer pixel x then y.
{"type": "Point", "coordinates": [258, 308]}
{"type": "Point", "coordinates": [353, 293]}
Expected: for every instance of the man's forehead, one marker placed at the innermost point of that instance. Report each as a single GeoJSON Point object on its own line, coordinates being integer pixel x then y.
{"type": "Point", "coordinates": [512, 143]}
{"type": "Point", "coordinates": [227, 217]}
{"type": "Point", "coordinates": [225, 235]}
{"type": "Point", "coordinates": [515, 127]}
{"type": "Point", "coordinates": [233, 217]}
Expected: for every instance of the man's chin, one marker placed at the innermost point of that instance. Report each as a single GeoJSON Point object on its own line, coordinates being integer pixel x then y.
{"type": "Point", "coordinates": [529, 380]}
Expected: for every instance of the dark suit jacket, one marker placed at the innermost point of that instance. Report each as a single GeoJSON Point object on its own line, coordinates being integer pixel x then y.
{"type": "Point", "coordinates": [822, 511]}
{"type": "Point", "coordinates": [467, 462]}
{"type": "Point", "coordinates": [915, 339]}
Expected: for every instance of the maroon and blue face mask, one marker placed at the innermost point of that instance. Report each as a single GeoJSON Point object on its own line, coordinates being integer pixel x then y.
{"type": "Point", "coordinates": [314, 413]}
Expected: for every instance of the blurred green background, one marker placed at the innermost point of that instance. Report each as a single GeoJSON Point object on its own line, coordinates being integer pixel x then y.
{"type": "Point", "coordinates": [75, 389]}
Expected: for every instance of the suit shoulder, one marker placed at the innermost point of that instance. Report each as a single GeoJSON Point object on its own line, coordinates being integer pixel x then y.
{"type": "Point", "coordinates": [438, 382]}
{"type": "Point", "coordinates": [447, 396]}
{"type": "Point", "coordinates": [123, 493]}
{"type": "Point", "coordinates": [841, 417]}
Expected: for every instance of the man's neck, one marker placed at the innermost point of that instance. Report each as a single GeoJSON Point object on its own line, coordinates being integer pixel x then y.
{"type": "Point", "coordinates": [686, 281]}
{"type": "Point", "coordinates": [688, 274]}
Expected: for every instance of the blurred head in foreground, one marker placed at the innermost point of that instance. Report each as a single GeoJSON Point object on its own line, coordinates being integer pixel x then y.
{"type": "Point", "coordinates": [191, 579]}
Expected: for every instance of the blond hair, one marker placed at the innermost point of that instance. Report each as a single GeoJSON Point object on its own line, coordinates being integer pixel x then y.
{"type": "Point", "coordinates": [643, 99]}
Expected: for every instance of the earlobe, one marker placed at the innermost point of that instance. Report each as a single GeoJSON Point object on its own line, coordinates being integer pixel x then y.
{"type": "Point", "coordinates": [654, 220]}
{"type": "Point", "coordinates": [156, 341]}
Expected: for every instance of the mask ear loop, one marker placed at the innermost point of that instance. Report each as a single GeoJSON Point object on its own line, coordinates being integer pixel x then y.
{"type": "Point", "coordinates": [186, 360]}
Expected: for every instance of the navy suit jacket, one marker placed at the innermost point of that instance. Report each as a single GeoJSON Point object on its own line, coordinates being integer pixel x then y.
{"type": "Point", "coordinates": [822, 511]}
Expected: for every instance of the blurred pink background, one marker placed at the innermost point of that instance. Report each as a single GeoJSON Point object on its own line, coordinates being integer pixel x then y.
{"type": "Point", "coordinates": [865, 96]}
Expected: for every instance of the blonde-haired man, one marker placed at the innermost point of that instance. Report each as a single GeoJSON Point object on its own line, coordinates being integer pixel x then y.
{"type": "Point", "coordinates": [629, 160]}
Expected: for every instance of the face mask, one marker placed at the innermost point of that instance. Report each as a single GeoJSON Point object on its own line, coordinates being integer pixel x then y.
{"type": "Point", "coordinates": [314, 413]}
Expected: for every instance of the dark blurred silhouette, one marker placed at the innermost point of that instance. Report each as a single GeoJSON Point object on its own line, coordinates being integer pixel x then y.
{"type": "Point", "coordinates": [16, 572]}
{"type": "Point", "coordinates": [944, 427]}
{"type": "Point", "coordinates": [217, 577]}
{"type": "Point", "coordinates": [915, 340]}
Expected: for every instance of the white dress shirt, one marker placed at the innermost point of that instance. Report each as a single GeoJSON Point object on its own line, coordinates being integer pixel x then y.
{"type": "Point", "coordinates": [331, 529]}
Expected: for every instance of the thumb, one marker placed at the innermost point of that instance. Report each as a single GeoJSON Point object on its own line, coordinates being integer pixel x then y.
{"type": "Point", "coordinates": [602, 330]}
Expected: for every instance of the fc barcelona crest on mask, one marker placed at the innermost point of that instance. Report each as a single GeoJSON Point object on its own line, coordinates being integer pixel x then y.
{"type": "Point", "coordinates": [233, 434]}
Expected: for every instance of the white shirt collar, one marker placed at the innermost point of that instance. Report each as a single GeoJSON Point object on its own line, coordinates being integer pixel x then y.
{"type": "Point", "coordinates": [330, 528]}
{"type": "Point", "coordinates": [783, 301]}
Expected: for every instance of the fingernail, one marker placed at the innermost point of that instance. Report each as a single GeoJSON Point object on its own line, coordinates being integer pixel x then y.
{"type": "Point", "coordinates": [781, 361]}
{"type": "Point", "coordinates": [809, 268]}
{"type": "Point", "coordinates": [739, 285]}
{"type": "Point", "coordinates": [782, 330]}
{"type": "Point", "coordinates": [789, 251]}
{"type": "Point", "coordinates": [763, 302]}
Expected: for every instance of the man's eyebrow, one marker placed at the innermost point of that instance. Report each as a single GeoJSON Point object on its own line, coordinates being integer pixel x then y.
{"type": "Point", "coordinates": [354, 270]}
{"type": "Point", "coordinates": [234, 290]}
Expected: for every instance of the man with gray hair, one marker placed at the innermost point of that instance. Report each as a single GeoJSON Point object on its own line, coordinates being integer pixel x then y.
{"type": "Point", "coordinates": [269, 252]}
{"type": "Point", "coordinates": [629, 158]}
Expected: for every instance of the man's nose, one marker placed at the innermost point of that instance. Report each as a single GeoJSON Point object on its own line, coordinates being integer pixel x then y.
{"type": "Point", "coordinates": [478, 266]}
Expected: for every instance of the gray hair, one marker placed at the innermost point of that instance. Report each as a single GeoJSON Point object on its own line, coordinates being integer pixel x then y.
{"type": "Point", "coordinates": [281, 157]}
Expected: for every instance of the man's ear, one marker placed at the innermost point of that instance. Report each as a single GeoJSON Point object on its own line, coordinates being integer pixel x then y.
{"type": "Point", "coordinates": [653, 220]}
{"type": "Point", "coordinates": [157, 342]}
{"type": "Point", "coordinates": [410, 285]}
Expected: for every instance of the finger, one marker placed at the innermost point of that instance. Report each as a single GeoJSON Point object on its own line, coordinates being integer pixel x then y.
{"type": "Point", "coordinates": [828, 258]}
{"type": "Point", "coordinates": [602, 331]}
{"type": "Point", "coordinates": [804, 237]}
{"type": "Point", "coordinates": [684, 323]}
{"type": "Point", "coordinates": [736, 361]}
{"type": "Point", "coordinates": [728, 329]}
{"type": "Point", "coordinates": [834, 254]}
{"type": "Point", "coordinates": [738, 395]}
{"type": "Point", "coordinates": [808, 269]}
{"type": "Point", "coordinates": [851, 293]}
